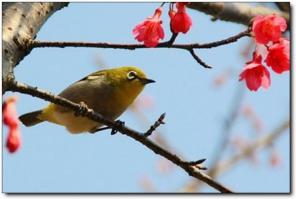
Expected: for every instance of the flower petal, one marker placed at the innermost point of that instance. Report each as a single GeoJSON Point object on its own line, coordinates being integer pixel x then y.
{"type": "Point", "coordinates": [150, 31]}
{"type": "Point", "coordinates": [268, 28]}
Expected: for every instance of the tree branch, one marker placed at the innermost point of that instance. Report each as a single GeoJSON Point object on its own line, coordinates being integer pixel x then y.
{"type": "Point", "coordinates": [199, 60]}
{"type": "Point", "coordinates": [191, 170]}
{"type": "Point", "coordinates": [21, 22]}
{"type": "Point", "coordinates": [283, 6]}
{"type": "Point", "coordinates": [235, 12]}
{"type": "Point", "coordinates": [167, 44]}
{"type": "Point", "coordinates": [155, 125]}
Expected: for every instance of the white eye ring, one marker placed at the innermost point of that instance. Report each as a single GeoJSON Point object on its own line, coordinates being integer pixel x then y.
{"type": "Point", "coordinates": [131, 75]}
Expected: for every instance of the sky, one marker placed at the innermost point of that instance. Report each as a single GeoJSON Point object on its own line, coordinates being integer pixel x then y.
{"type": "Point", "coordinates": [53, 160]}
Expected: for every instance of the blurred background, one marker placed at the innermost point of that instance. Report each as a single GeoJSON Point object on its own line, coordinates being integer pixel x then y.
{"type": "Point", "coordinates": [209, 113]}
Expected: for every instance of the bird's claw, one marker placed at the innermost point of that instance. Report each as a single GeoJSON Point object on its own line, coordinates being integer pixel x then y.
{"type": "Point", "coordinates": [82, 109]}
{"type": "Point", "coordinates": [118, 123]}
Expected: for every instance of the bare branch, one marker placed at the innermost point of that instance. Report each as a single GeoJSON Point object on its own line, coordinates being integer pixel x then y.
{"type": "Point", "coordinates": [192, 171]}
{"type": "Point", "coordinates": [228, 40]}
{"type": "Point", "coordinates": [168, 44]}
{"type": "Point", "coordinates": [235, 12]}
{"type": "Point", "coordinates": [284, 6]}
{"type": "Point", "coordinates": [201, 62]}
{"type": "Point", "coordinates": [155, 125]}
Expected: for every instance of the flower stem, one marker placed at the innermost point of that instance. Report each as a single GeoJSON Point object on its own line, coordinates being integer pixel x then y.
{"type": "Point", "coordinates": [162, 4]}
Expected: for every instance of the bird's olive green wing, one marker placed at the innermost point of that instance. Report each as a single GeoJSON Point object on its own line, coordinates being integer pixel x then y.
{"type": "Point", "coordinates": [86, 89]}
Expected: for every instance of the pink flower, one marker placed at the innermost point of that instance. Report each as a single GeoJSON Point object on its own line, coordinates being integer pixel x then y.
{"type": "Point", "coordinates": [150, 31]}
{"type": "Point", "coordinates": [255, 74]}
{"type": "Point", "coordinates": [278, 57]}
{"type": "Point", "coordinates": [13, 140]}
{"type": "Point", "coordinates": [10, 118]}
{"type": "Point", "coordinates": [268, 28]}
{"type": "Point", "coordinates": [180, 20]}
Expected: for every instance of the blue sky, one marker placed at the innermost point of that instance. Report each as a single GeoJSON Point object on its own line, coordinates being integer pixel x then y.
{"type": "Point", "coordinates": [52, 160]}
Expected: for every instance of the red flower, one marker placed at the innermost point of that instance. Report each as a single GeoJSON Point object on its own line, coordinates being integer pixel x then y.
{"type": "Point", "coordinates": [180, 20]}
{"type": "Point", "coordinates": [10, 118]}
{"type": "Point", "coordinates": [255, 74]}
{"type": "Point", "coordinates": [268, 28]}
{"type": "Point", "coordinates": [278, 57]}
{"type": "Point", "coordinates": [150, 31]}
{"type": "Point", "coordinates": [13, 140]}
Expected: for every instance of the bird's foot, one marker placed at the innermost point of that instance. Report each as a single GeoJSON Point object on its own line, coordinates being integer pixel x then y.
{"type": "Point", "coordinates": [118, 124]}
{"type": "Point", "coordinates": [95, 130]}
{"type": "Point", "coordinates": [82, 109]}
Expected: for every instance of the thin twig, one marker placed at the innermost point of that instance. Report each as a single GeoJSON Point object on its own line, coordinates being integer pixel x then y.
{"type": "Point", "coordinates": [228, 40]}
{"type": "Point", "coordinates": [173, 38]}
{"type": "Point", "coordinates": [162, 4]}
{"type": "Point", "coordinates": [197, 164]}
{"type": "Point", "coordinates": [89, 113]}
{"type": "Point", "coordinates": [155, 125]}
{"type": "Point", "coordinates": [192, 163]}
{"type": "Point", "coordinates": [194, 55]}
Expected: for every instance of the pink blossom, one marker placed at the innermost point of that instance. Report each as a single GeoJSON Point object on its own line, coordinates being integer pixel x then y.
{"type": "Point", "coordinates": [278, 57]}
{"type": "Point", "coordinates": [255, 74]}
{"type": "Point", "coordinates": [268, 28]}
{"type": "Point", "coordinates": [180, 20]}
{"type": "Point", "coordinates": [10, 118]}
{"type": "Point", "coordinates": [150, 31]}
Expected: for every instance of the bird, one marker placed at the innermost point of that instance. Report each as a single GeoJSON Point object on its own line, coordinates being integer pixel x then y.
{"type": "Point", "coordinates": [108, 92]}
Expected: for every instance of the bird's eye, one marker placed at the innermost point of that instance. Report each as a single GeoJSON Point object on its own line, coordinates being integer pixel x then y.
{"type": "Point", "coordinates": [131, 75]}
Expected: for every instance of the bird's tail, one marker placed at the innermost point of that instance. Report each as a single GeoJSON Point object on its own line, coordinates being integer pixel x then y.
{"type": "Point", "coordinates": [31, 119]}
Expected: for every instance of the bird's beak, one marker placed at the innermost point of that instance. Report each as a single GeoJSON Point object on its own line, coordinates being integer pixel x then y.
{"type": "Point", "coordinates": [146, 81]}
